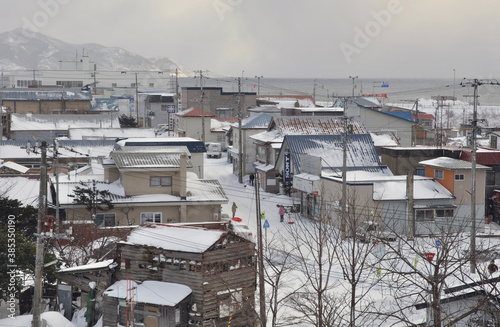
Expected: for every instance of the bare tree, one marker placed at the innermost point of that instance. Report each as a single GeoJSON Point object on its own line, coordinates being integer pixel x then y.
{"type": "Point", "coordinates": [357, 258]}
{"type": "Point", "coordinates": [313, 250]}
{"type": "Point", "coordinates": [422, 269]}
{"type": "Point", "coordinates": [279, 264]}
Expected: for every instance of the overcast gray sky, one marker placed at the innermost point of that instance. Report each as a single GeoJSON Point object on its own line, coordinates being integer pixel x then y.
{"type": "Point", "coordinates": [277, 38]}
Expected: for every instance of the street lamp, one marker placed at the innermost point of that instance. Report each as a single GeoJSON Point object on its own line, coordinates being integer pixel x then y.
{"type": "Point", "coordinates": [353, 85]}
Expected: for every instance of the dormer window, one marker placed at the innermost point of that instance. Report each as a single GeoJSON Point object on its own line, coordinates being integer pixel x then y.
{"type": "Point", "coordinates": [159, 181]}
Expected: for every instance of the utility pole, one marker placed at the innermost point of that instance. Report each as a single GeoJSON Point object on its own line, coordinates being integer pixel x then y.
{"type": "Point", "coordinates": [202, 111]}
{"type": "Point", "coordinates": [353, 85]}
{"type": "Point", "coordinates": [474, 83]}
{"type": "Point", "coordinates": [37, 296]}
{"type": "Point", "coordinates": [343, 220]}
{"type": "Point", "coordinates": [416, 123]}
{"type": "Point", "coordinates": [176, 99]}
{"type": "Point", "coordinates": [240, 136]}
{"type": "Point", "coordinates": [136, 99]}
{"type": "Point", "coordinates": [262, 289]}
{"type": "Point", "coordinates": [314, 91]}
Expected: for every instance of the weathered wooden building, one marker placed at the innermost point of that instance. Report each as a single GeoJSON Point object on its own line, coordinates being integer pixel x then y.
{"type": "Point", "coordinates": [150, 303]}
{"type": "Point", "coordinates": [218, 266]}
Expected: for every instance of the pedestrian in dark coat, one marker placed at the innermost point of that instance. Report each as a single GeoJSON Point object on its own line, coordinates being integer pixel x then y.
{"type": "Point", "coordinates": [252, 177]}
{"type": "Point", "coordinates": [492, 267]}
{"type": "Point", "coordinates": [233, 208]}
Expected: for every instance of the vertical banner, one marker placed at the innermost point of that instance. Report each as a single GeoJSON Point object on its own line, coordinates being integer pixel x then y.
{"type": "Point", "coordinates": [287, 169]}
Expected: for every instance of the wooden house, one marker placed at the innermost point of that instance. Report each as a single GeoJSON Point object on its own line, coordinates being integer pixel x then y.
{"type": "Point", "coordinates": [150, 303]}
{"type": "Point", "coordinates": [217, 265]}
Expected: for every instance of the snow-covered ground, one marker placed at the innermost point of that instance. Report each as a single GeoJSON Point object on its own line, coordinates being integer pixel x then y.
{"type": "Point", "coordinates": [377, 288]}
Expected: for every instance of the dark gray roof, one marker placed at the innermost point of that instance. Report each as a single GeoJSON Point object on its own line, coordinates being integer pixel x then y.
{"type": "Point", "coordinates": [46, 95]}
{"type": "Point", "coordinates": [360, 150]}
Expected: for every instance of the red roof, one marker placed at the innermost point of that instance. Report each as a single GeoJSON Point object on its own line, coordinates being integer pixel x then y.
{"type": "Point", "coordinates": [194, 112]}
{"type": "Point", "coordinates": [484, 156]}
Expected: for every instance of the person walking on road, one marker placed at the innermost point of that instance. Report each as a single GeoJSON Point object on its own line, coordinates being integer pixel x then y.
{"type": "Point", "coordinates": [233, 208]}
{"type": "Point", "coordinates": [252, 177]}
{"type": "Point", "coordinates": [282, 213]}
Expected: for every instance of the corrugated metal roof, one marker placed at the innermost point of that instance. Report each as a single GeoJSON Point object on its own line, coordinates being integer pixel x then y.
{"type": "Point", "coordinates": [406, 115]}
{"type": "Point", "coordinates": [127, 159]}
{"type": "Point", "coordinates": [47, 95]}
{"type": "Point", "coordinates": [193, 145]}
{"type": "Point", "coordinates": [360, 150]}
{"type": "Point", "coordinates": [205, 190]}
{"type": "Point", "coordinates": [317, 125]}
{"type": "Point", "coordinates": [256, 121]}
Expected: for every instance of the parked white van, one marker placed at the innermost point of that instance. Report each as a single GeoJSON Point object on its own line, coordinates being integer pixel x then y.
{"type": "Point", "coordinates": [214, 150]}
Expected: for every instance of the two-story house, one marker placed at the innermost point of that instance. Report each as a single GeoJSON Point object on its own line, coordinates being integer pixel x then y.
{"type": "Point", "coordinates": [216, 268]}
{"type": "Point", "coordinates": [195, 123]}
{"type": "Point", "coordinates": [152, 185]}
{"type": "Point", "coordinates": [456, 176]}
{"type": "Point", "coordinates": [250, 126]}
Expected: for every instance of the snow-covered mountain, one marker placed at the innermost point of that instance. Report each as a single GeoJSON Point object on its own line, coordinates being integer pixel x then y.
{"type": "Point", "coordinates": [21, 50]}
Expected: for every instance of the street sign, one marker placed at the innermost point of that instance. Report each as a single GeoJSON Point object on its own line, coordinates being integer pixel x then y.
{"type": "Point", "coordinates": [266, 224]}
{"type": "Point", "coordinates": [438, 243]}
{"type": "Point", "coordinates": [429, 256]}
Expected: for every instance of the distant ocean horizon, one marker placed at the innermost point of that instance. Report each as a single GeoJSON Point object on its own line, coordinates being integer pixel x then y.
{"type": "Point", "coordinates": [396, 89]}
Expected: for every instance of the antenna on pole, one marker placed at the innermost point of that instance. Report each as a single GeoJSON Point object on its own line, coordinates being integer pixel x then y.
{"type": "Point", "coordinates": [240, 135]}
{"type": "Point", "coordinates": [474, 83]}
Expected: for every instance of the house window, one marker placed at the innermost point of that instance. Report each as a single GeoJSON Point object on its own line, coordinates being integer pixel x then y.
{"type": "Point", "coordinates": [438, 174]}
{"type": "Point", "coordinates": [159, 181]}
{"type": "Point", "coordinates": [420, 172]}
{"type": "Point", "coordinates": [139, 313]}
{"type": "Point", "coordinates": [150, 217]}
{"type": "Point", "coordinates": [459, 177]}
{"type": "Point", "coordinates": [152, 85]}
{"type": "Point", "coordinates": [424, 215]}
{"type": "Point", "coordinates": [105, 220]}
{"type": "Point", "coordinates": [445, 213]}
{"type": "Point", "coordinates": [114, 84]}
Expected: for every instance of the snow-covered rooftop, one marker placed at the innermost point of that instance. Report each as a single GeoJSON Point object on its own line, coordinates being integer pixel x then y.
{"type": "Point", "coordinates": [149, 291]}
{"type": "Point", "coordinates": [109, 133]}
{"type": "Point", "coordinates": [451, 163]}
{"type": "Point", "coordinates": [30, 122]}
{"type": "Point", "coordinates": [90, 266]}
{"type": "Point", "coordinates": [182, 239]}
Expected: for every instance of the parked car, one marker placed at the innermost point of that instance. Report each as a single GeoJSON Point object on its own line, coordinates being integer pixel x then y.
{"type": "Point", "coordinates": [370, 231]}
{"type": "Point", "coordinates": [214, 150]}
